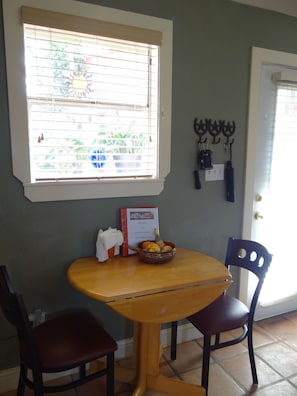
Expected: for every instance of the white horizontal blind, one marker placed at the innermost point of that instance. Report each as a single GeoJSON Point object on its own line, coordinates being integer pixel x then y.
{"type": "Point", "coordinates": [285, 135]}
{"type": "Point", "coordinates": [92, 105]}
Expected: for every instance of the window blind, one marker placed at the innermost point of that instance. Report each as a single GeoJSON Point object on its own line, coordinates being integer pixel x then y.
{"type": "Point", "coordinates": [92, 102]}
{"type": "Point", "coordinates": [278, 227]}
{"type": "Point", "coordinates": [285, 136]}
{"type": "Point", "coordinates": [278, 132]}
{"type": "Point", "coordinates": [57, 20]}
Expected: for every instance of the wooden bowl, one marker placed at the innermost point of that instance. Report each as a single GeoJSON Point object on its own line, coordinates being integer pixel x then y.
{"type": "Point", "coordinates": [156, 257]}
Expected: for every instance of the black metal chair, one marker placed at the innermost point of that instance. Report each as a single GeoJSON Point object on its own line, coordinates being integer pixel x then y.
{"type": "Point", "coordinates": [67, 341]}
{"type": "Point", "coordinates": [228, 313]}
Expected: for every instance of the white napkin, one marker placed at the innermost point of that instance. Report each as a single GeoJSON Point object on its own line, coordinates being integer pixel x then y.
{"type": "Point", "coordinates": [107, 240]}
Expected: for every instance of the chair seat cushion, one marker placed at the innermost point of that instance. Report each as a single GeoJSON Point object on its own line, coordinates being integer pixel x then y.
{"type": "Point", "coordinates": [225, 313]}
{"type": "Point", "coordinates": [69, 340]}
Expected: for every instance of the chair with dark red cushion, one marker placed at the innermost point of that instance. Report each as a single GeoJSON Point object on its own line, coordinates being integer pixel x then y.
{"type": "Point", "coordinates": [68, 341]}
{"type": "Point", "coordinates": [229, 313]}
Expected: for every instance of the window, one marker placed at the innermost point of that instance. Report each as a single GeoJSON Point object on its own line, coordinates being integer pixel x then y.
{"type": "Point", "coordinates": [94, 112]}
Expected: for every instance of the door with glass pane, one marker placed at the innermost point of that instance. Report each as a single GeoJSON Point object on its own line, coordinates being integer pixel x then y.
{"type": "Point", "coordinates": [270, 215]}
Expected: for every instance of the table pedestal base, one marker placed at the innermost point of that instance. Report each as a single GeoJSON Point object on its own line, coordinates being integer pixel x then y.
{"type": "Point", "coordinates": [173, 386]}
{"type": "Point", "coordinates": [147, 352]}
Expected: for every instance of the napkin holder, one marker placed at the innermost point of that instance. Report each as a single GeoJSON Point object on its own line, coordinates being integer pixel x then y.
{"type": "Point", "coordinates": [108, 243]}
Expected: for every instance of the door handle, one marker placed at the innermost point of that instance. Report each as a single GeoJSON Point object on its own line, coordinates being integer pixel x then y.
{"type": "Point", "coordinates": [258, 216]}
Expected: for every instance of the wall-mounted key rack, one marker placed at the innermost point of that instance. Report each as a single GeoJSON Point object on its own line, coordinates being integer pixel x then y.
{"type": "Point", "coordinates": [214, 128]}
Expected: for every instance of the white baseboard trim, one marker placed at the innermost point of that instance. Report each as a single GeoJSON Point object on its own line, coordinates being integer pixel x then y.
{"type": "Point", "coordinates": [9, 379]}
{"type": "Point", "coordinates": [187, 332]}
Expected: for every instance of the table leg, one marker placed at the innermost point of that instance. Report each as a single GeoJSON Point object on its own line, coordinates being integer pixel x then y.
{"type": "Point", "coordinates": [143, 353]}
{"type": "Point", "coordinates": [155, 347]}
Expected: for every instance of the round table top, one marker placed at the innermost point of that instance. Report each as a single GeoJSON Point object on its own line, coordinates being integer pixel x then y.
{"type": "Point", "coordinates": [126, 277]}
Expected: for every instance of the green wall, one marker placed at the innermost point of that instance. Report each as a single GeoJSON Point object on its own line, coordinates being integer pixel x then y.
{"type": "Point", "coordinates": [211, 60]}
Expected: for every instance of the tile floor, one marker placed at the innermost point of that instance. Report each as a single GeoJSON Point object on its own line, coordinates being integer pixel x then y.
{"type": "Point", "coordinates": [275, 342]}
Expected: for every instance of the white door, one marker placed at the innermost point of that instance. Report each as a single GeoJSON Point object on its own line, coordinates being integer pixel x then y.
{"type": "Point", "coordinates": [270, 214]}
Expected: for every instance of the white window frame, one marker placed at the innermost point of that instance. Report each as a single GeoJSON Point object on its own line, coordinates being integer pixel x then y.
{"type": "Point", "coordinates": [83, 189]}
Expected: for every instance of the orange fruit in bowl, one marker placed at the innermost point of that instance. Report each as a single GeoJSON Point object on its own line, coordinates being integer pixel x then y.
{"type": "Point", "coordinates": [166, 248]}
{"type": "Point", "coordinates": [153, 247]}
{"type": "Point", "coordinates": [145, 244]}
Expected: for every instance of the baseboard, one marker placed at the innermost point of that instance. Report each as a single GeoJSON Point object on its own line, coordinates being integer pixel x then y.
{"type": "Point", "coordinates": [185, 333]}
{"type": "Point", "coordinates": [9, 377]}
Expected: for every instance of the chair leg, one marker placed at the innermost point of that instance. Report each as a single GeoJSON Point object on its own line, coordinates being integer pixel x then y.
{"type": "Point", "coordinates": [173, 340]}
{"type": "Point", "coordinates": [205, 363]}
{"type": "Point", "coordinates": [217, 338]}
{"type": "Point", "coordinates": [110, 375]}
{"type": "Point", "coordinates": [82, 371]}
{"type": "Point", "coordinates": [252, 357]}
{"type": "Point", "coordinates": [21, 384]}
{"type": "Point", "coordinates": [38, 382]}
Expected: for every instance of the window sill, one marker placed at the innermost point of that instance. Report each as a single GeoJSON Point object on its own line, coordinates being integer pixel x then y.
{"type": "Point", "coordinates": [60, 191]}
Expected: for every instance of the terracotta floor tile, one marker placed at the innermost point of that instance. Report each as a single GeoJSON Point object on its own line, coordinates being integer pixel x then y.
{"type": "Point", "coordinates": [220, 383]}
{"type": "Point", "coordinates": [290, 340]}
{"type": "Point", "coordinates": [280, 389]}
{"type": "Point", "coordinates": [189, 355]}
{"type": "Point", "coordinates": [293, 380]}
{"type": "Point", "coordinates": [96, 387]}
{"type": "Point", "coordinates": [291, 316]}
{"type": "Point", "coordinates": [239, 369]}
{"type": "Point", "coordinates": [279, 327]}
{"type": "Point", "coordinates": [228, 352]}
{"type": "Point", "coordinates": [165, 368]}
{"type": "Point", "coordinates": [280, 357]}
{"type": "Point", "coordinates": [260, 337]}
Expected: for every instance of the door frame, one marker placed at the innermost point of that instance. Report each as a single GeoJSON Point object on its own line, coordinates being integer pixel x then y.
{"type": "Point", "coordinates": [259, 57]}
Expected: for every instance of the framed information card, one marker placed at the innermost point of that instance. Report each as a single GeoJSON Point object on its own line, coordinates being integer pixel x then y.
{"type": "Point", "coordinates": [138, 225]}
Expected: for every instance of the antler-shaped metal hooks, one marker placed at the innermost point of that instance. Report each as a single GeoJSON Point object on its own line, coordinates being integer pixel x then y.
{"type": "Point", "coordinates": [228, 131]}
{"type": "Point", "coordinates": [214, 129]}
{"type": "Point", "coordinates": [200, 129]}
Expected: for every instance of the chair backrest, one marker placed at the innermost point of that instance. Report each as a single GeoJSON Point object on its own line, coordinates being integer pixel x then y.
{"type": "Point", "coordinates": [253, 257]}
{"type": "Point", "coordinates": [13, 307]}
{"type": "Point", "coordinates": [6, 296]}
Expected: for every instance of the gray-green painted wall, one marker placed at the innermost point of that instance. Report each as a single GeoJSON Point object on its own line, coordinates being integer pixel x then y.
{"type": "Point", "coordinates": [211, 61]}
